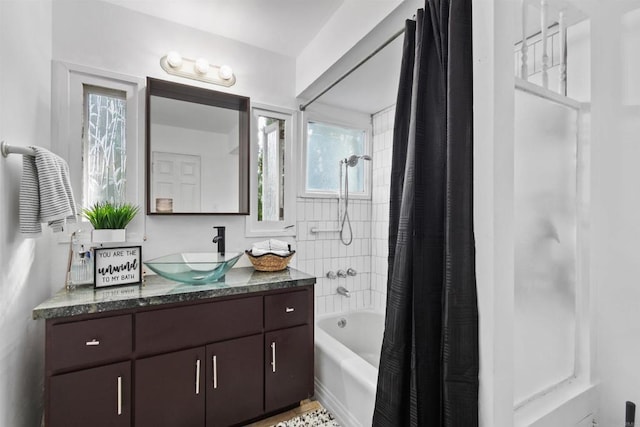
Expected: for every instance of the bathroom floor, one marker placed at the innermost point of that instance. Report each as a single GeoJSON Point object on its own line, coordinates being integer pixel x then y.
{"type": "Point", "coordinates": [308, 414]}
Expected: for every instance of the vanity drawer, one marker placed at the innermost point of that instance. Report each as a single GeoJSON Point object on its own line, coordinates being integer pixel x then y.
{"type": "Point", "coordinates": [90, 342]}
{"type": "Point", "coordinates": [285, 310]}
{"type": "Point", "coordinates": [182, 327]}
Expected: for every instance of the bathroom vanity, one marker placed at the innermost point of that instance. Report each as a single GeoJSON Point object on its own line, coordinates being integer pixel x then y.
{"type": "Point", "coordinates": [169, 354]}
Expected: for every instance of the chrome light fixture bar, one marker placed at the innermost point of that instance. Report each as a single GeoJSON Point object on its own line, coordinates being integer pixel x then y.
{"type": "Point", "coordinates": [197, 69]}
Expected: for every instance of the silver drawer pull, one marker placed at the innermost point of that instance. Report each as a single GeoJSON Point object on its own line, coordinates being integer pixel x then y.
{"type": "Point", "coordinates": [215, 372]}
{"type": "Point", "coordinates": [273, 356]}
{"type": "Point", "coordinates": [119, 395]}
{"type": "Point", "coordinates": [198, 376]}
{"type": "Point", "coordinates": [289, 309]}
{"type": "Point", "coordinates": [93, 342]}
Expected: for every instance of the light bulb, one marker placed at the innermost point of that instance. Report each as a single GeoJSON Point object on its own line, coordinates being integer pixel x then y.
{"type": "Point", "coordinates": [174, 59]}
{"type": "Point", "coordinates": [202, 66]}
{"type": "Point", "coordinates": [225, 72]}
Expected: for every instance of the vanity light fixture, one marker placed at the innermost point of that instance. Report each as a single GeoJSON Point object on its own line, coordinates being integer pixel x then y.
{"type": "Point", "coordinates": [197, 69]}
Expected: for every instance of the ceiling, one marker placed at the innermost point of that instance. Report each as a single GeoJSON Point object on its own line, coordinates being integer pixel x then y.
{"type": "Point", "coordinates": [191, 115]}
{"type": "Point", "coordinates": [282, 26]}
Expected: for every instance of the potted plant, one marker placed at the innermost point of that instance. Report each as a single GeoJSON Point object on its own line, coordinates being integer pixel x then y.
{"type": "Point", "coordinates": [109, 220]}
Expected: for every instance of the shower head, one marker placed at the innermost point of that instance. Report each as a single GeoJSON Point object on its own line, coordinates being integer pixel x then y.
{"type": "Point", "coordinates": [353, 159]}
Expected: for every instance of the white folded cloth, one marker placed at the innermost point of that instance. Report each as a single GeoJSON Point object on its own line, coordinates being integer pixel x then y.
{"type": "Point", "coordinates": [45, 192]}
{"type": "Point", "coordinates": [272, 246]}
{"type": "Point", "coordinates": [258, 252]}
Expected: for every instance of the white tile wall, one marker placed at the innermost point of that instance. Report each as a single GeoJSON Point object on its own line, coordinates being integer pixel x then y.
{"type": "Point", "coordinates": [319, 253]}
{"type": "Point", "coordinates": [382, 152]}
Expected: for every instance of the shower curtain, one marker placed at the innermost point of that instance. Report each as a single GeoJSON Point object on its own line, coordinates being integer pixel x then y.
{"type": "Point", "coordinates": [428, 372]}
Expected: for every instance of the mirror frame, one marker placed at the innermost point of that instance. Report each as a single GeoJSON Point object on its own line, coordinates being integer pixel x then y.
{"type": "Point", "coordinates": [167, 89]}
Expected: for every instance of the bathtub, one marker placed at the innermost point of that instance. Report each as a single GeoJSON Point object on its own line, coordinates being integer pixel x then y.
{"type": "Point", "coordinates": [346, 364]}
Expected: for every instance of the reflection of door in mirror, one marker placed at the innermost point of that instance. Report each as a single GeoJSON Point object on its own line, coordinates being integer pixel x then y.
{"type": "Point", "coordinates": [270, 169]}
{"type": "Point", "coordinates": [176, 182]}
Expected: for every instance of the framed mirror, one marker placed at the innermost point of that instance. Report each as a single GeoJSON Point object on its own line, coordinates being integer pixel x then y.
{"type": "Point", "coordinates": [197, 150]}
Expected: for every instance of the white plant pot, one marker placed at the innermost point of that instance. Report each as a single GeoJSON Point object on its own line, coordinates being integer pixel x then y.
{"type": "Point", "coordinates": [109, 236]}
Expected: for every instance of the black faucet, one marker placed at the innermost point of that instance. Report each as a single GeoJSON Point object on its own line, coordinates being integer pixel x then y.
{"type": "Point", "coordinates": [219, 239]}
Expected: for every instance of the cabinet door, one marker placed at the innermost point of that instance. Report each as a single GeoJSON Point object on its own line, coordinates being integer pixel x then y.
{"type": "Point", "coordinates": [92, 397]}
{"type": "Point", "coordinates": [234, 381]}
{"type": "Point", "coordinates": [169, 389]}
{"type": "Point", "coordinates": [288, 366]}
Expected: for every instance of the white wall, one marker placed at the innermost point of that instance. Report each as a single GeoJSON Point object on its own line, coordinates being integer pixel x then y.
{"type": "Point", "coordinates": [615, 259]}
{"type": "Point", "coordinates": [493, 27]}
{"type": "Point", "coordinates": [25, 111]}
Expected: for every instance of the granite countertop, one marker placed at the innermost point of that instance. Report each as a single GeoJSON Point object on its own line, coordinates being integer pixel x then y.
{"type": "Point", "coordinates": [157, 291]}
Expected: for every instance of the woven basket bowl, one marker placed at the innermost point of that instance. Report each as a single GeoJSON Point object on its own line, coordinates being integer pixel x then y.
{"type": "Point", "coordinates": [269, 262]}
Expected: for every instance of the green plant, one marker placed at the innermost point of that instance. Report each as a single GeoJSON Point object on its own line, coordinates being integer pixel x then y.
{"type": "Point", "coordinates": [107, 215]}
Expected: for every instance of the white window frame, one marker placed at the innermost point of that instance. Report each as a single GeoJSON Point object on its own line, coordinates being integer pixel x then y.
{"type": "Point", "coordinates": [68, 121]}
{"type": "Point", "coordinates": [286, 227]}
{"type": "Point", "coordinates": [329, 119]}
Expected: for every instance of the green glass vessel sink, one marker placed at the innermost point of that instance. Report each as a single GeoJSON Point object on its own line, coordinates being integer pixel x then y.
{"type": "Point", "coordinates": [194, 268]}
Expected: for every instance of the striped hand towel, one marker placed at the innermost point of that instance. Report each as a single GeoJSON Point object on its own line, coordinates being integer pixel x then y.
{"type": "Point", "coordinates": [45, 193]}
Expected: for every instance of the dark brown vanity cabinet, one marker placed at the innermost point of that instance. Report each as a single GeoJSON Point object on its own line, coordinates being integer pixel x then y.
{"type": "Point", "coordinates": [80, 392]}
{"type": "Point", "coordinates": [210, 363]}
{"type": "Point", "coordinates": [94, 397]}
{"type": "Point", "coordinates": [235, 380]}
{"type": "Point", "coordinates": [289, 361]}
{"type": "Point", "coordinates": [169, 389]}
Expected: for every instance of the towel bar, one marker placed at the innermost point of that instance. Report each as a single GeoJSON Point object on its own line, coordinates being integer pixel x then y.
{"type": "Point", "coordinates": [7, 149]}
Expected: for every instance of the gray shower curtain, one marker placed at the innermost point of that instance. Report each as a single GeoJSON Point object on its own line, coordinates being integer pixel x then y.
{"type": "Point", "coordinates": [428, 372]}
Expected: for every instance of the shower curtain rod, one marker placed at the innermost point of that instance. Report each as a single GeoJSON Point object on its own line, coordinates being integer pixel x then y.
{"type": "Point", "coordinates": [358, 65]}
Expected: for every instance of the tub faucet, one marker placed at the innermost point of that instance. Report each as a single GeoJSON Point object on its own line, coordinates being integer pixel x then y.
{"type": "Point", "coordinates": [220, 239]}
{"type": "Point", "coordinates": [344, 291]}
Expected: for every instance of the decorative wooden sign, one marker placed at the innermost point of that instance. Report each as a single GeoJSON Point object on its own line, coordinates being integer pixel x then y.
{"type": "Point", "coordinates": [117, 266]}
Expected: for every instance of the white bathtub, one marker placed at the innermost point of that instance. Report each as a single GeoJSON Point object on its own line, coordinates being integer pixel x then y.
{"type": "Point", "coordinates": [346, 364]}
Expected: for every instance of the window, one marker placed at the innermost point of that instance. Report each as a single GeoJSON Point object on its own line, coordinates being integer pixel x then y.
{"type": "Point", "coordinates": [104, 157]}
{"type": "Point", "coordinates": [271, 169]}
{"type": "Point", "coordinates": [550, 283]}
{"type": "Point", "coordinates": [326, 146]}
{"type": "Point", "coordinates": [272, 192]}
{"type": "Point", "coordinates": [95, 127]}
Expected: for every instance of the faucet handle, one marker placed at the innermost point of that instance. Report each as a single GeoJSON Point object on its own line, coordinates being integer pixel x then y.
{"type": "Point", "coordinates": [351, 272]}
{"type": "Point", "coordinates": [342, 273]}
{"type": "Point", "coordinates": [331, 275]}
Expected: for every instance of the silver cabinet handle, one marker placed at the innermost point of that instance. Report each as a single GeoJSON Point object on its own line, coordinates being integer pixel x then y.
{"type": "Point", "coordinates": [198, 376]}
{"type": "Point", "coordinates": [273, 356]}
{"type": "Point", "coordinates": [92, 342]}
{"type": "Point", "coordinates": [289, 309]}
{"type": "Point", "coordinates": [119, 395]}
{"type": "Point", "coordinates": [215, 372]}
